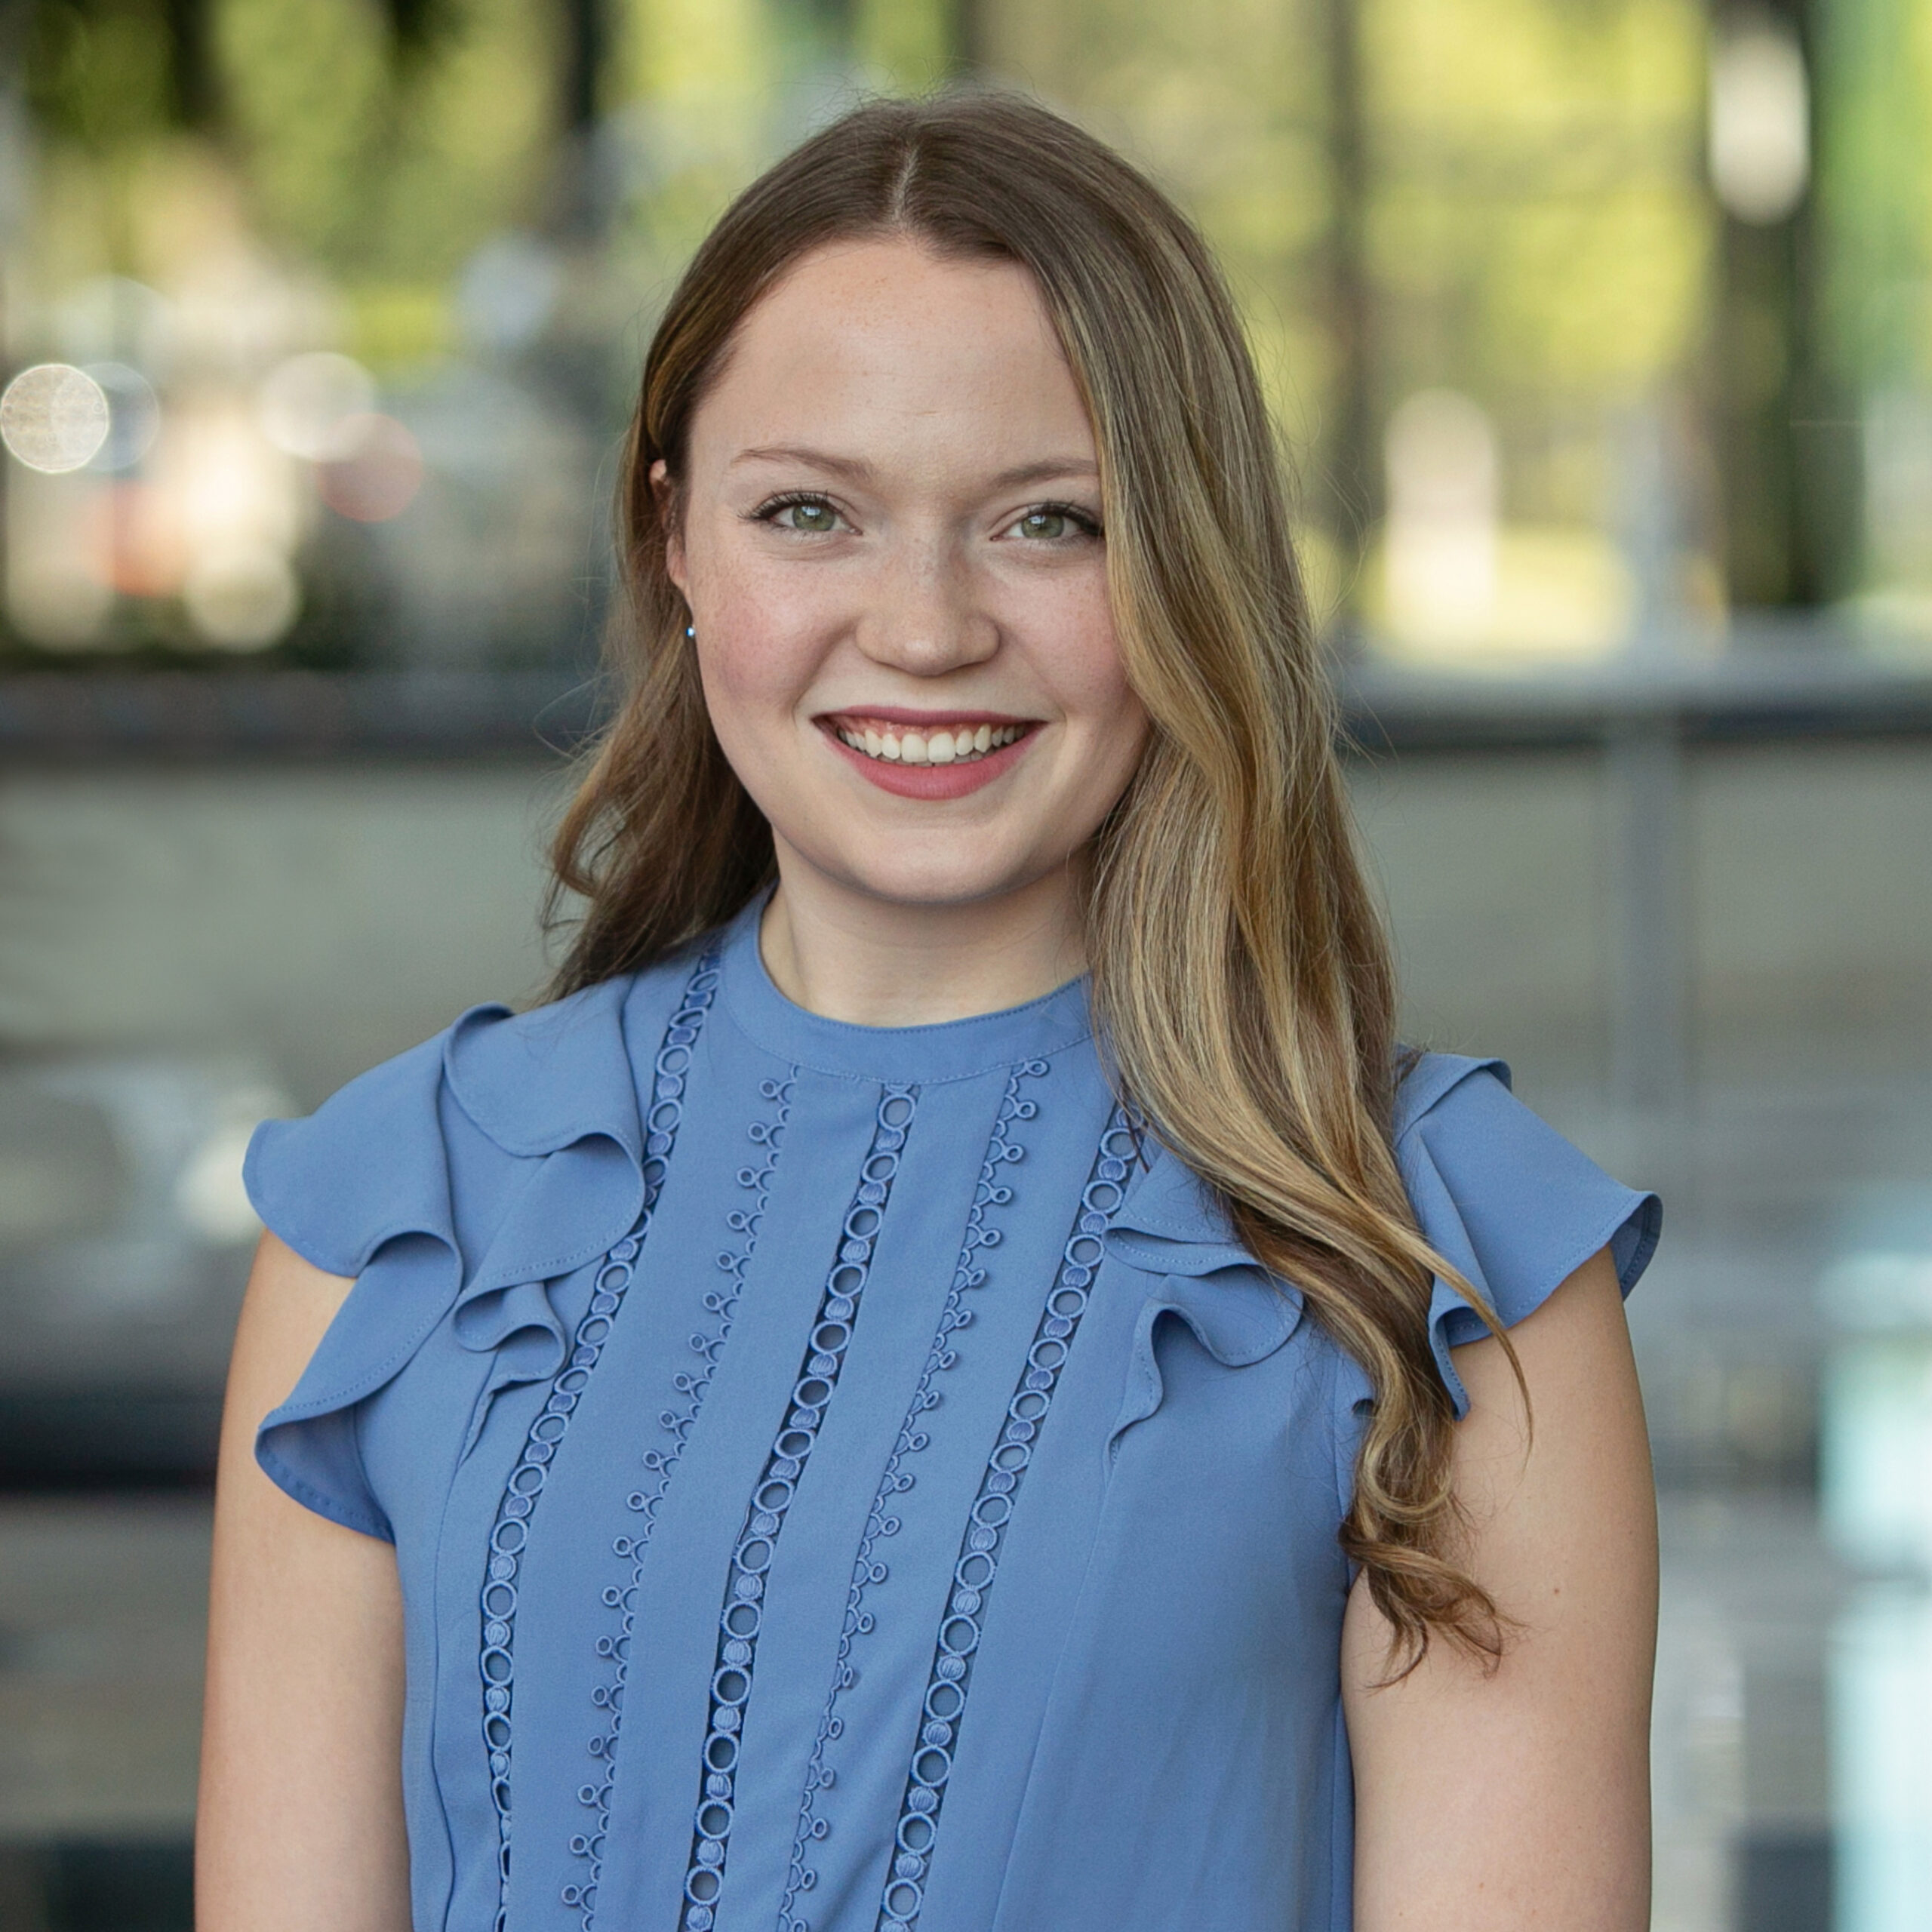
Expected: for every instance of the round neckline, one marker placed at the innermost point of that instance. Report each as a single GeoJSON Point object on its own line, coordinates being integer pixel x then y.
{"type": "Point", "coordinates": [894, 1056]}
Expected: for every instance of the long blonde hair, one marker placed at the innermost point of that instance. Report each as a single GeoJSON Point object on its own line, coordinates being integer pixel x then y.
{"type": "Point", "coordinates": [1240, 978]}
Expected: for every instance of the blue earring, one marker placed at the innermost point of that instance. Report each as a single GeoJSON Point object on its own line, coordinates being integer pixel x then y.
{"type": "Point", "coordinates": [690, 630]}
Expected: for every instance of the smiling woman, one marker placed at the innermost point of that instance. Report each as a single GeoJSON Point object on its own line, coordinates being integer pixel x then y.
{"type": "Point", "coordinates": [955, 1376]}
{"type": "Point", "coordinates": [918, 555]}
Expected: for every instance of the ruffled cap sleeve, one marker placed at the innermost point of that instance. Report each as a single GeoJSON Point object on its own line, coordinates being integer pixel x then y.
{"type": "Point", "coordinates": [1506, 1201]}
{"type": "Point", "coordinates": [456, 1182]}
{"type": "Point", "coordinates": [360, 1188]}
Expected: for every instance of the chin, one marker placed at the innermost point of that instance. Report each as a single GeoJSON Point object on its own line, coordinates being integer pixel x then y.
{"type": "Point", "coordinates": [934, 884]}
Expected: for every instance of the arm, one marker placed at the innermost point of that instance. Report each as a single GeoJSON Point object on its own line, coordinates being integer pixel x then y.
{"type": "Point", "coordinates": [1501, 1802]}
{"type": "Point", "coordinates": [299, 1825]}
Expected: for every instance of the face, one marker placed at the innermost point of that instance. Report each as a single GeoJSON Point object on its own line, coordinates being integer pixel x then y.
{"type": "Point", "coordinates": [890, 539]}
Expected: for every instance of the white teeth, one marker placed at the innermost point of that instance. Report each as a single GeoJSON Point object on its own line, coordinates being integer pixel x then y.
{"type": "Point", "coordinates": [963, 745]}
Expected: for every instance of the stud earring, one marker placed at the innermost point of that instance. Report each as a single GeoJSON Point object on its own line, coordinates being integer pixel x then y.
{"type": "Point", "coordinates": [690, 630]}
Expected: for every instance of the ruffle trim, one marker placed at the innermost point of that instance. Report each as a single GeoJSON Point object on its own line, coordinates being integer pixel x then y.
{"type": "Point", "coordinates": [1172, 1228]}
{"type": "Point", "coordinates": [363, 1188]}
{"type": "Point", "coordinates": [1502, 1197]}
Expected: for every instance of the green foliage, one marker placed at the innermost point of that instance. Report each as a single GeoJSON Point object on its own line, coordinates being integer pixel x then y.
{"type": "Point", "coordinates": [1537, 233]}
{"type": "Point", "coordinates": [380, 173]}
{"type": "Point", "coordinates": [1534, 230]}
{"type": "Point", "coordinates": [1539, 226]}
{"type": "Point", "coordinates": [905, 45]}
{"type": "Point", "coordinates": [98, 71]}
{"type": "Point", "coordinates": [1876, 189]}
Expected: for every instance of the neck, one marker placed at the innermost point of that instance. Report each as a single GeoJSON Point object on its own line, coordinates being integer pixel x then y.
{"type": "Point", "coordinates": [875, 962]}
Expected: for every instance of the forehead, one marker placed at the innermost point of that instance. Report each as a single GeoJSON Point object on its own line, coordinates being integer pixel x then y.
{"type": "Point", "coordinates": [885, 341]}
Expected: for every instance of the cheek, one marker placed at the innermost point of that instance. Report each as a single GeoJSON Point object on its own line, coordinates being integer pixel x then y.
{"type": "Point", "coordinates": [1088, 674]}
{"type": "Point", "coordinates": [753, 670]}
{"type": "Point", "coordinates": [757, 647]}
{"type": "Point", "coordinates": [747, 709]}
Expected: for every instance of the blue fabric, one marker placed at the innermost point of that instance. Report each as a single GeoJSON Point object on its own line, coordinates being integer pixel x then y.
{"type": "Point", "coordinates": [846, 1478]}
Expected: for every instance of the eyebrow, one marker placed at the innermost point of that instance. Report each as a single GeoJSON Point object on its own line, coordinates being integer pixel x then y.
{"type": "Point", "coordinates": [856, 470]}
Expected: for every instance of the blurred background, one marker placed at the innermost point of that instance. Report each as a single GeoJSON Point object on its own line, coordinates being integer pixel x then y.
{"type": "Point", "coordinates": [1600, 332]}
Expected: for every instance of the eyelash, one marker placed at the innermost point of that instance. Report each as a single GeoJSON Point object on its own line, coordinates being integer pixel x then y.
{"type": "Point", "coordinates": [1086, 526]}
{"type": "Point", "coordinates": [767, 512]}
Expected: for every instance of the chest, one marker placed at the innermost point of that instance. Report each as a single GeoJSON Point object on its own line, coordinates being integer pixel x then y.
{"type": "Point", "coordinates": [840, 1536]}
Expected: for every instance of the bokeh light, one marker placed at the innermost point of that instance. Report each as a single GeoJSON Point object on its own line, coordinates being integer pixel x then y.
{"type": "Point", "coordinates": [54, 418]}
{"type": "Point", "coordinates": [134, 415]}
{"type": "Point", "coordinates": [1442, 459]}
{"type": "Point", "coordinates": [378, 477]}
{"type": "Point", "coordinates": [310, 406]}
{"type": "Point", "coordinates": [241, 598]}
{"type": "Point", "coordinates": [1760, 120]}
{"type": "Point", "coordinates": [508, 291]}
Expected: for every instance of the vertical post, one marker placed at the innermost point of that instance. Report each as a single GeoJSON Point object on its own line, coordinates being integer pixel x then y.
{"type": "Point", "coordinates": [580, 197]}
{"type": "Point", "coordinates": [194, 96]}
{"type": "Point", "coordinates": [1644, 767]}
{"type": "Point", "coordinates": [584, 49]}
{"type": "Point", "coordinates": [1787, 446]}
{"type": "Point", "coordinates": [966, 37]}
{"type": "Point", "coordinates": [1351, 464]}
{"type": "Point", "coordinates": [16, 17]}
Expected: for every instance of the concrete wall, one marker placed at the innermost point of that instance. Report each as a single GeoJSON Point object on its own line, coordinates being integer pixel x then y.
{"type": "Point", "coordinates": [322, 918]}
{"type": "Point", "coordinates": [1809, 889]}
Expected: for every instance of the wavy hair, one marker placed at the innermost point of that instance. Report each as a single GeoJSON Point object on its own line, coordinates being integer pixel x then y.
{"type": "Point", "coordinates": [1241, 977]}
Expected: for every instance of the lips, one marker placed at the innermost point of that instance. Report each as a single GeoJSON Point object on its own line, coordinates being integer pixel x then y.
{"type": "Point", "coordinates": [933, 756]}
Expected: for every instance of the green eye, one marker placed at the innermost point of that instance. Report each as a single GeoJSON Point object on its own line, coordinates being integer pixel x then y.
{"type": "Point", "coordinates": [813, 519]}
{"type": "Point", "coordinates": [1048, 525]}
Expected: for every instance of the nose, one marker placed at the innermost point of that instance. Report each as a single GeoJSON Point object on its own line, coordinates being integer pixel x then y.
{"type": "Point", "coordinates": [926, 618]}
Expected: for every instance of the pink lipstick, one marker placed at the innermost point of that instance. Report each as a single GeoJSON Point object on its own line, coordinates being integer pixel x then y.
{"type": "Point", "coordinates": [928, 754]}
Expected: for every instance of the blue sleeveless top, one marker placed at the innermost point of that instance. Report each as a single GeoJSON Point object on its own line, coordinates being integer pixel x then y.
{"type": "Point", "coordinates": [847, 1479]}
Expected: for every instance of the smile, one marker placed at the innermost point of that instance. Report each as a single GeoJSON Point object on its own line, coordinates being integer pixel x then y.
{"type": "Point", "coordinates": [932, 756]}
{"type": "Point", "coordinates": [893, 743]}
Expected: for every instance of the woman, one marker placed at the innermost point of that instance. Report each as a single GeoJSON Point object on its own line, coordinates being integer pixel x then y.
{"type": "Point", "coordinates": [840, 1421]}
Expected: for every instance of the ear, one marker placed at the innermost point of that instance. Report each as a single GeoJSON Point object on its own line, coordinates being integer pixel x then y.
{"type": "Point", "coordinates": [664, 495]}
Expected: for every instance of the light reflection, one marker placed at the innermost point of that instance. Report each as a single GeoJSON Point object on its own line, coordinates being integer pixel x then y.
{"type": "Point", "coordinates": [240, 505]}
{"type": "Point", "coordinates": [54, 418]}
{"type": "Point", "coordinates": [1453, 583]}
{"type": "Point", "coordinates": [1444, 494]}
{"type": "Point", "coordinates": [1876, 1477]}
{"type": "Point", "coordinates": [1759, 120]}
{"type": "Point", "coordinates": [134, 535]}
{"type": "Point", "coordinates": [508, 292]}
{"type": "Point", "coordinates": [210, 1194]}
{"type": "Point", "coordinates": [1897, 451]}
{"type": "Point", "coordinates": [113, 319]}
{"type": "Point", "coordinates": [58, 593]}
{"type": "Point", "coordinates": [1881, 1771]}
